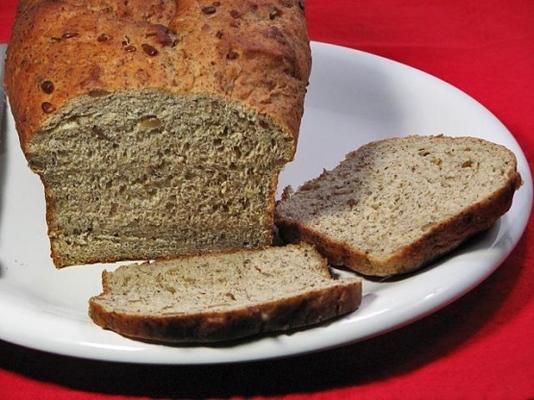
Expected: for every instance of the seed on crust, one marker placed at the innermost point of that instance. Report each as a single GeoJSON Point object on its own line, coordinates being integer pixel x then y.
{"type": "Point", "coordinates": [103, 37]}
{"type": "Point", "coordinates": [47, 86]}
{"type": "Point", "coordinates": [148, 49]}
{"type": "Point", "coordinates": [232, 55]}
{"type": "Point", "coordinates": [48, 107]}
{"type": "Point", "coordinates": [68, 35]}
{"type": "Point", "coordinates": [208, 10]}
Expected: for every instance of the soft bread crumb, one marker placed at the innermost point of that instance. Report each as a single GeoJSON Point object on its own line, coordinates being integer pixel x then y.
{"type": "Point", "coordinates": [140, 175]}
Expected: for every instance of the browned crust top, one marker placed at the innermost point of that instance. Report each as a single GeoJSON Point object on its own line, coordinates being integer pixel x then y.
{"type": "Point", "coordinates": [255, 52]}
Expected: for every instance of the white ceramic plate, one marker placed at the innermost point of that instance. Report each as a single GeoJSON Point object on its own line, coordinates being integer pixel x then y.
{"type": "Point", "coordinates": [354, 98]}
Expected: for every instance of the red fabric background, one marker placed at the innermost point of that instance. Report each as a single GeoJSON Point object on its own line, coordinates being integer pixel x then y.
{"type": "Point", "coordinates": [482, 346]}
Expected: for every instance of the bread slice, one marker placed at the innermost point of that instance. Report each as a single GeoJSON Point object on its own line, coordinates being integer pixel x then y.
{"type": "Point", "coordinates": [158, 128]}
{"type": "Point", "coordinates": [393, 205]}
{"type": "Point", "coordinates": [221, 297]}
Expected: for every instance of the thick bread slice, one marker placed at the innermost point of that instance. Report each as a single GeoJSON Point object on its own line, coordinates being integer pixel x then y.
{"type": "Point", "coordinates": [224, 296]}
{"type": "Point", "coordinates": [393, 205]}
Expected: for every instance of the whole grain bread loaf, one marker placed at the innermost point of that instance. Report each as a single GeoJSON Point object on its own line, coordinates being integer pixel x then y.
{"type": "Point", "coordinates": [158, 128]}
{"type": "Point", "coordinates": [223, 296]}
{"type": "Point", "coordinates": [393, 205]}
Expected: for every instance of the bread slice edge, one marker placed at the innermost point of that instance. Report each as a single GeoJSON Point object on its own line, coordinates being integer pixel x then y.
{"type": "Point", "coordinates": [442, 238]}
{"type": "Point", "coordinates": [290, 312]}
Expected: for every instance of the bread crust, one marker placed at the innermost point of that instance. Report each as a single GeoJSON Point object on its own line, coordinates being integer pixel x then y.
{"type": "Point", "coordinates": [255, 53]}
{"type": "Point", "coordinates": [442, 238]}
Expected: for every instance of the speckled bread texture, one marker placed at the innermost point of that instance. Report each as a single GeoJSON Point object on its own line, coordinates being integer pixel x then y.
{"type": "Point", "coordinates": [223, 297]}
{"type": "Point", "coordinates": [394, 205]}
{"type": "Point", "coordinates": [139, 113]}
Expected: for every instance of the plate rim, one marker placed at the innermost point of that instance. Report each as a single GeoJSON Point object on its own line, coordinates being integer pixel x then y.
{"type": "Point", "coordinates": [436, 303]}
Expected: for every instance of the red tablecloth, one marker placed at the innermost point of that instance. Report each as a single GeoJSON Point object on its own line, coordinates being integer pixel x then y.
{"type": "Point", "coordinates": [482, 346]}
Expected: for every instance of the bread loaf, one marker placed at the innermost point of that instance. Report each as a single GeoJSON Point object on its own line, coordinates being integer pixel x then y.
{"type": "Point", "coordinates": [393, 205]}
{"type": "Point", "coordinates": [222, 297]}
{"type": "Point", "coordinates": [158, 128]}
